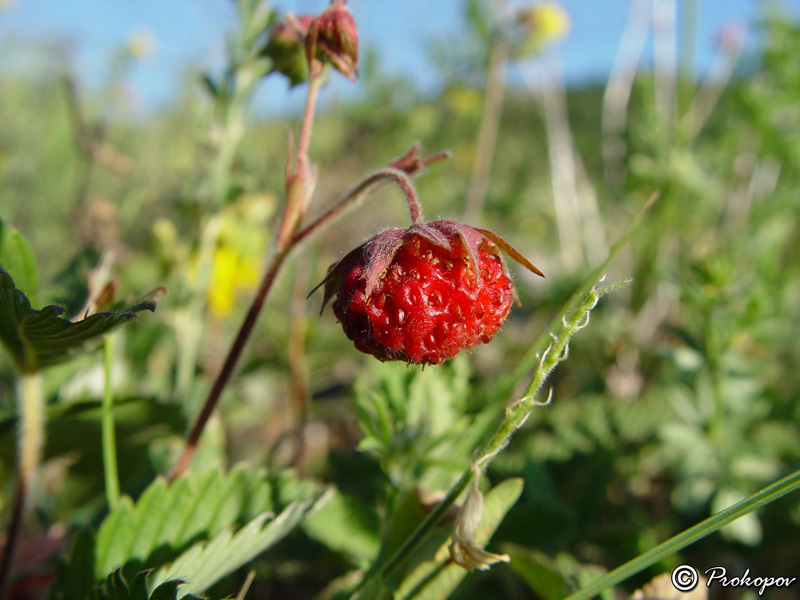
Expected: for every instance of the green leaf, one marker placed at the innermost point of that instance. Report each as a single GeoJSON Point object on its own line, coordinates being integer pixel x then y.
{"type": "Point", "coordinates": [436, 579]}
{"type": "Point", "coordinates": [205, 563]}
{"type": "Point", "coordinates": [41, 338]}
{"type": "Point", "coordinates": [116, 587]}
{"type": "Point", "coordinates": [540, 572]}
{"type": "Point", "coordinates": [168, 517]}
{"type": "Point", "coordinates": [18, 259]}
{"type": "Point", "coordinates": [346, 525]}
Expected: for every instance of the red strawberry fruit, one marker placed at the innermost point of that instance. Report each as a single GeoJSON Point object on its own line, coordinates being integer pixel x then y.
{"type": "Point", "coordinates": [425, 293]}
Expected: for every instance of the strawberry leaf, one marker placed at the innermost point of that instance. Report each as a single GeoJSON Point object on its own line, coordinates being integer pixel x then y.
{"type": "Point", "coordinates": [17, 258]}
{"type": "Point", "coordinates": [205, 563]}
{"type": "Point", "coordinates": [37, 339]}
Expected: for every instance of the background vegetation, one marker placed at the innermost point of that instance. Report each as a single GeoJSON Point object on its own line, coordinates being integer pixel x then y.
{"type": "Point", "coordinates": [678, 400]}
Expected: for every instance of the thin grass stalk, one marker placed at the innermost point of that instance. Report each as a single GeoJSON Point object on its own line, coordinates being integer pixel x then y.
{"type": "Point", "coordinates": [489, 127]}
{"type": "Point", "coordinates": [109, 441]}
{"type": "Point", "coordinates": [665, 62]}
{"type": "Point", "coordinates": [788, 484]}
{"type": "Point", "coordinates": [515, 416]}
{"type": "Point", "coordinates": [619, 87]}
{"type": "Point", "coordinates": [561, 160]}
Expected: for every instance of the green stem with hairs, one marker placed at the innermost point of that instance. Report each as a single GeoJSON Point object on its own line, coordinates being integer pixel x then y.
{"type": "Point", "coordinates": [107, 425]}
{"type": "Point", "coordinates": [30, 399]}
{"type": "Point", "coordinates": [529, 360]}
{"type": "Point", "coordinates": [515, 417]}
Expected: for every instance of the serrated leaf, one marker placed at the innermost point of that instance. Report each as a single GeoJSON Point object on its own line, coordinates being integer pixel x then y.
{"type": "Point", "coordinates": [116, 587]}
{"type": "Point", "coordinates": [167, 517]}
{"type": "Point", "coordinates": [41, 338]}
{"type": "Point", "coordinates": [206, 563]}
{"type": "Point", "coordinates": [75, 580]}
{"type": "Point", "coordinates": [436, 579]}
{"type": "Point", "coordinates": [18, 259]}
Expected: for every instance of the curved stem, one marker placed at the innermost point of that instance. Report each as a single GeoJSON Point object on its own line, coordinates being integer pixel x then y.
{"type": "Point", "coordinates": [356, 194]}
{"type": "Point", "coordinates": [363, 189]}
{"type": "Point", "coordinates": [515, 417]}
{"type": "Point", "coordinates": [489, 127]}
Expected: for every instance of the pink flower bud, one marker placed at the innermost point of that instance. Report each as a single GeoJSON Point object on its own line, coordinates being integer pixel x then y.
{"type": "Point", "coordinates": [332, 39]}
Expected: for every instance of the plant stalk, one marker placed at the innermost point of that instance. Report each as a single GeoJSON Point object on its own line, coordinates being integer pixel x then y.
{"type": "Point", "coordinates": [108, 433]}
{"type": "Point", "coordinates": [230, 362]}
{"type": "Point", "coordinates": [298, 190]}
{"type": "Point", "coordinates": [515, 417]}
{"type": "Point", "coordinates": [360, 191]}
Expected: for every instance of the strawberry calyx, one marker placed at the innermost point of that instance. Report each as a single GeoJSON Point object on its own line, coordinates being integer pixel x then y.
{"type": "Point", "coordinates": [380, 251]}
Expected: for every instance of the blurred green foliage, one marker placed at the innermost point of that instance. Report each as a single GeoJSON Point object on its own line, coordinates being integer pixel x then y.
{"type": "Point", "coordinates": [681, 398]}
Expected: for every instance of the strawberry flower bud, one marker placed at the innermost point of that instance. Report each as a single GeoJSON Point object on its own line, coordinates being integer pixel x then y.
{"type": "Point", "coordinates": [332, 39]}
{"type": "Point", "coordinates": [286, 49]}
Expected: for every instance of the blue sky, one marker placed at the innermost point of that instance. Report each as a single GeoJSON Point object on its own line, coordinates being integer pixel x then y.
{"type": "Point", "coordinates": [190, 34]}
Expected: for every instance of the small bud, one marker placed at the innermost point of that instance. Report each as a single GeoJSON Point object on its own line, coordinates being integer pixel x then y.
{"type": "Point", "coordinates": [462, 549]}
{"type": "Point", "coordinates": [332, 39]}
{"type": "Point", "coordinates": [285, 48]}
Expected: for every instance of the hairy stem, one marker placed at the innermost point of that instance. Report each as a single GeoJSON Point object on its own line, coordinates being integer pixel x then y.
{"type": "Point", "coordinates": [529, 360]}
{"type": "Point", "coordinates": [108, 434]}
{"type": "Point", "coordinates": [515, 417]}
{"type": "Point", "coordinates": [30, 399]}
{"type": "Point", "coordinates": [363, 189]}
{"type": "Point", "coordinates": [355, 195]}
{"type": "Point", "coordinates": [230, 362]}
{"type": "Point", "coordinates": [299, 186]}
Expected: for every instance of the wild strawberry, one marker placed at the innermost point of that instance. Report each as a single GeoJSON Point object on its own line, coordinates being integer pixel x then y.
{"type": "Point", "coordinates": [423, 294]}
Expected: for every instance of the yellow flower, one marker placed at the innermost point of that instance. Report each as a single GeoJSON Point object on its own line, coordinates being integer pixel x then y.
{"type": "Point", "coordinates": [231, 274]}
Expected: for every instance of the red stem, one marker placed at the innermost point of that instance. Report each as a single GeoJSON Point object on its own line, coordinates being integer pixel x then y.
{"type": "Point", "coordinates": [298, 187]}
{"type": "Point", "coordinates": [355, 195]}
{"type": "Point", "coordinates": [308, 122]}
{"type": "Point", "coordinates": [363, 189]}
{"type": "Point", "coordinates": [230, 362]}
